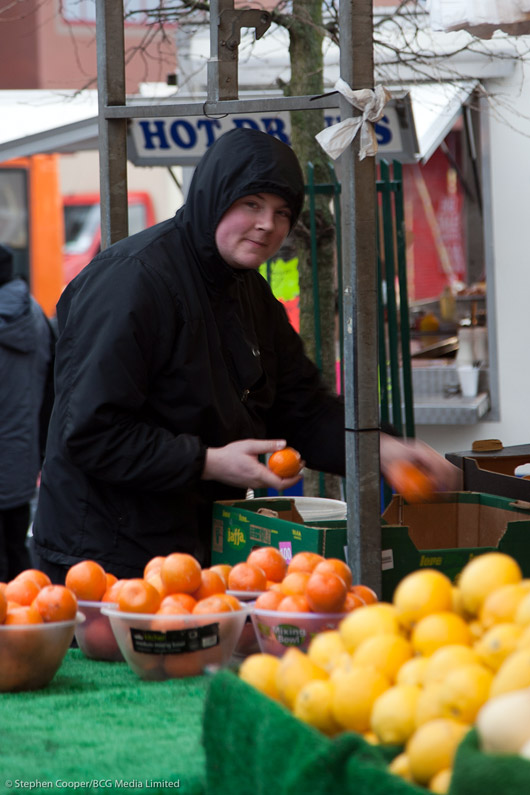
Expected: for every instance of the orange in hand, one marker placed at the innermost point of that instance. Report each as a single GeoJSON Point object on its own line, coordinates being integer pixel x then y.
{"type": "Point", "coordinates": [409, 481]}
{"type": "Point", "coordinates": [285, 463]}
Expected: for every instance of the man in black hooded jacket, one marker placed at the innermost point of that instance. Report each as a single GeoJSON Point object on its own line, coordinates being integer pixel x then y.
{"type": "Point", "coordinates": [176, 368]}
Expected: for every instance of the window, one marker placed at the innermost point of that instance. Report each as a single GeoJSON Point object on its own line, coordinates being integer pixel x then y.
{"type": "Point", "coordinates": [85, 10]}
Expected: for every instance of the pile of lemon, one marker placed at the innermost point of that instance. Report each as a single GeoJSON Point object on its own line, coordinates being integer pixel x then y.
{"type": "Point", "coordinates": [414, 672]}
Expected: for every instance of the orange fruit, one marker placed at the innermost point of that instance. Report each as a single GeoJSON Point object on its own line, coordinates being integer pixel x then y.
{"type": "Point", "coordinates": [180, 573]}
{"type": "Point", "coordinates": [230, 599]}
{"type": "Point", "coordinates": [211, 583]}
{"type": "Point", "coordinates": [336, 566]}
{"type": "Point", "coordinates": [285, 463]}
{"type": "Point", "coordinates": [368, 596]}
{"type": "Point", "coordinates": [212, 604]}
{"type": "Point", "coordinates": [111, 579]}
{"type": "Point", "coordinates": [23, 614]}
{"type": "Point", "coordinates": [185, 599]}
{"type": "Point", "coordinates": [296, 603]}
{"type": "Point", "coordinates": [171, 606]}
{"type": "Point", "coordinates": [223, 569]}
{"type": "Point", "coordinates": [87, 579]}
{"type": "Point", "coordinates": [294, 583]}
{"type": "Point", "coordinates": [304, 561]}
{"type": "Point", "coordinates": [111, 594]}
{"type": "Point", "coordinates": [271, 560]}
{"type": "Point", "coordinates": [409, 481]}
{"type": "Point", "coordinates": [154, 565]}
{"type": "Point", "coordinates": [246, 577]}
{"type": "Point", "coordinates": [138, 596]}
{"type": "Point", "coordinates": [326, 592]}
{"type": "Point", "coordinates": [40, 577]}
{"type": "Point", "coordinates": [56, 603]}
{"type": "Point", "coordinates": [352, 602]}
{"type": "Point", "coordinates": [22, 591]}
{"type": "Point", "coordinates": [268, 600]}
{"type": "Point", "coordinates": [3, 607]}
{"type": "Point", "coordinates": [155, 579]}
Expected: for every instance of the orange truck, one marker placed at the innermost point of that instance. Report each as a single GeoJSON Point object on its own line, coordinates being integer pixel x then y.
{"type": "Point", "coordinates": [53, 236]}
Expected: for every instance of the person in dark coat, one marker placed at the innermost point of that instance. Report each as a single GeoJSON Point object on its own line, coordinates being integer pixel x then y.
{"type": "Point", "coordinates": [25, 356]}
{"type": "Point", "coordinates": [176, 368]}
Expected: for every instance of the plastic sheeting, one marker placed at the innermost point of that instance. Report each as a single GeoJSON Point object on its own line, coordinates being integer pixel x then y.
{"type": "Point", "coordinates": [481, 17]}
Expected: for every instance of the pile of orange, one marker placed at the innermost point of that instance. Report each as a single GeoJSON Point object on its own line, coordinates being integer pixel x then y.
{"type": "Point", "coordinates": [31, 598]}
{"type": "Point", "coordinates": [172, 584]}
{"type": "Point", "coordinates": [309, 583]}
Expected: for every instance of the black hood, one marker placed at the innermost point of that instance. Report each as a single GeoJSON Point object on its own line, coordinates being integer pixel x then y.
{"type": "Point", "coordinates": [240, 162]}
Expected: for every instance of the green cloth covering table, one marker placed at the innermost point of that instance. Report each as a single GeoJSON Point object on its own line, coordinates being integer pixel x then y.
{"type": "Point", "coordinates": [98, 722]}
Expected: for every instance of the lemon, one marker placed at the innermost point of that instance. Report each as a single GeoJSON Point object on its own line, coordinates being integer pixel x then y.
{"type": "Point", "coordinates": [441, 782]}
{"type": "Point", "coordinates": [354, 694]}
{"type": "Point", "coordinates": [420, 593]}
{"type": "Point", "coordinates": [294, 671]}
{"type": "Point", "coordinates": [432, 748]}
{"type": "Point", "coordinates": [325, 648]}
{"type": "Point", "coordinates": [498, 643]}
{"type": "Point", "coordinates": [393, 714]}
{"type": "Point", "coordinates": [371, 737]}
{"type": "Point", "coordinates": [400, 766]}
{"type": "Point", "coordinates": [362, 623]}
{"type": "Point", "coordinates": [484, 574]}
{"type": "Point", "coordinates": [445, 659]}
{"type": "Point", "coordinates": [387, 653]}
{"type": "Point", "coordinates": [464, 690]}
{"type": "Point", "coordinates": [439, 629]}
{"type": "Point", "coordinates": [260, 671]}
{"type": "Point", "coordinates": [412, 671]}
{"type": "Point", "coordinates": [313, 706]}
{"type": "Point", "coordinates": [429, 705]}
{"type": "Point", "coordinates": [524, 638]}
{"type": "Point", "coordinates": [514, 673]}
{"type": "Point", "coordinates": [501, 604]}
{"type": "Point", "coordinates": [456, 602]}
{"type": "Point", "coordinates": [522, 614]}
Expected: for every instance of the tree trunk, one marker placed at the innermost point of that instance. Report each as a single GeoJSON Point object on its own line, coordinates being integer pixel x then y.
{"type": "Point", "coordinates": [307, 69]}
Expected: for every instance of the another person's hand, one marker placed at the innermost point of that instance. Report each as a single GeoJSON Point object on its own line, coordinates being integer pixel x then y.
{"type": "Point", "coordinates": [237, 464]}
{"type": "Point", "coordinates": [444, 475]}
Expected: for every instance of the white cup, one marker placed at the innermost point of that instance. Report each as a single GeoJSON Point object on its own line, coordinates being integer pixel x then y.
{"type": "Point", "coordinates": [468, 377]}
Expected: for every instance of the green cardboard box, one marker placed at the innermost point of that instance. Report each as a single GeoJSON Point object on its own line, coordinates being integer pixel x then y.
{"type": "Point", "coordinates": [446, 533]}
{"type": "Point", "coordinates": [239, 526]}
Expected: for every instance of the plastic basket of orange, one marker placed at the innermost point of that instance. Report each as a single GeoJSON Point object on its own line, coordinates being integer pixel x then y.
{"type": "Point", "coordinates": [177, 620]}
{"type": "Point", "coordinates": [314, 595]}
{"type": "Point", "coordinates": [37, 624]}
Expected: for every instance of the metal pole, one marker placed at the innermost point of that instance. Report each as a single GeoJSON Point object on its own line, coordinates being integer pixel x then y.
{"type": "Point", "coordinates": [112, 132]}
{"type": "Point", "coordinates": [360, 311]}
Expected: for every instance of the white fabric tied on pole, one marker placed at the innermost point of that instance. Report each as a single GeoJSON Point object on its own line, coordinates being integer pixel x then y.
{"type": "Point", "coordinates": [335, 139]}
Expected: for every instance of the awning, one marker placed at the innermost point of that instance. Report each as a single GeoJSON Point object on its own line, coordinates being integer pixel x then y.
{"type": "Point", "coordinates": [417, 122]}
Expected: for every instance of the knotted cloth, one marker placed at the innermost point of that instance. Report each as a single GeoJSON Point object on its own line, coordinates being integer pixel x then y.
{"type": "Point", "coordinates": [336, 138]}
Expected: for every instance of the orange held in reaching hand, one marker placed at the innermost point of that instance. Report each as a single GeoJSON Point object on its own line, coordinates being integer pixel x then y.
{"type": "Point", "coordinates": [87, 579]}
{"type": "Point", "coordinates": [285, 463]}
{"type": "Point", "coordinates": [409, 481]}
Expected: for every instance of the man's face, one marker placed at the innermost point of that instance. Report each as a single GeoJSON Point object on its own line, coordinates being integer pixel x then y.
{"type": "Point", "coordinates": [252, 230]}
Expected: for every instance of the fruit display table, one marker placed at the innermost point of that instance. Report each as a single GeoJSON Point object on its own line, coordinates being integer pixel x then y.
{"type": "Point", "coordinates": [98, 728]}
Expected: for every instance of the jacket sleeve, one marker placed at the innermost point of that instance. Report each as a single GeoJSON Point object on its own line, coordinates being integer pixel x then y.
{"type": "Point", "coordinates": [306, 413]}
{"type": "Point", "coordinates": [116, 329]}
